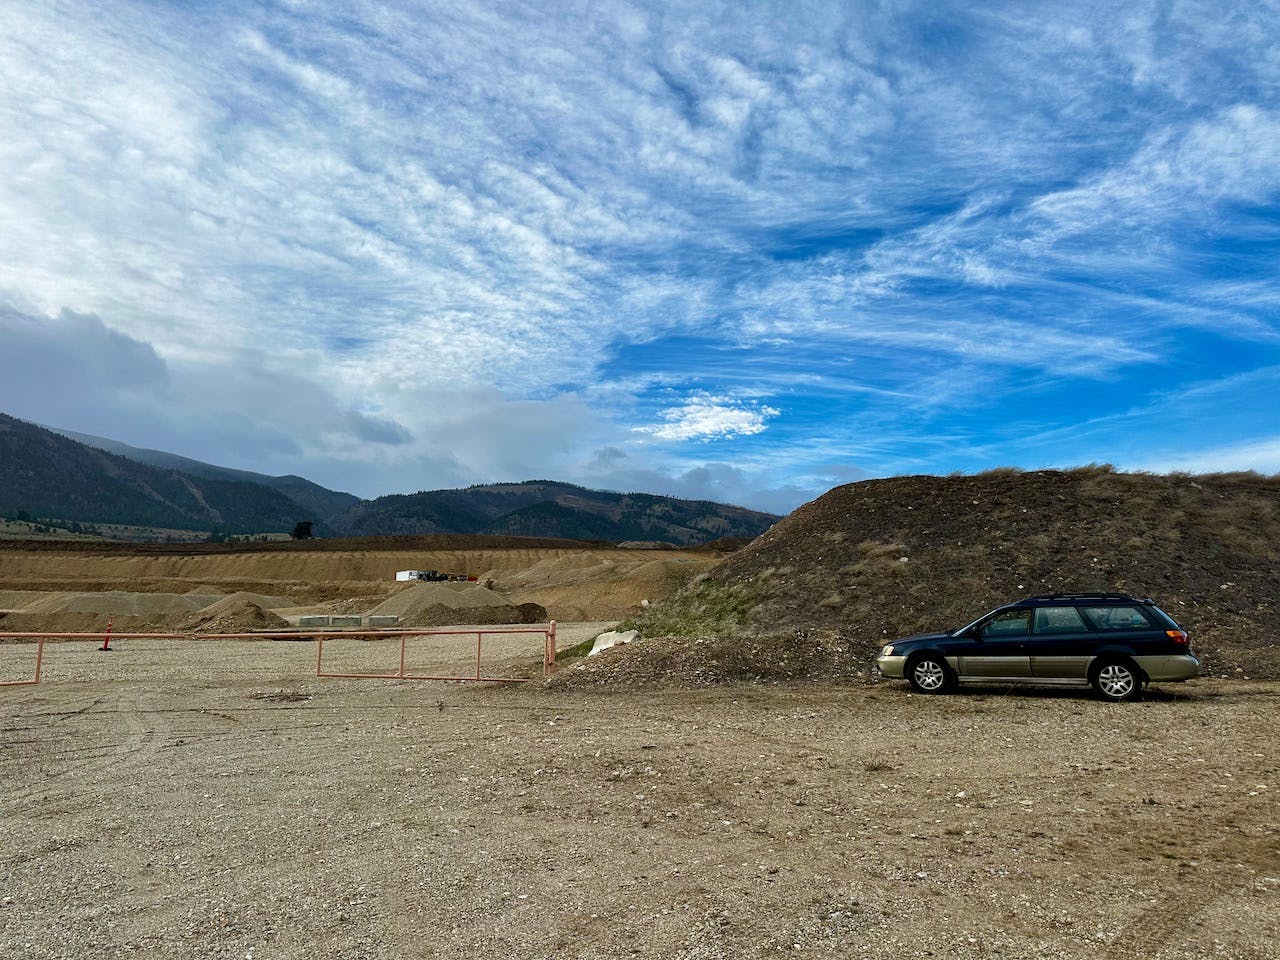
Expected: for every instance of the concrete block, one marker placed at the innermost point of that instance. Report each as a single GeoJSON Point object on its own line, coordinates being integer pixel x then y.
{"type": "Point", "coordinates": [383, 621]}
{"type": "Point", "coordinates": [350, 623]}
{"type": "Point", "coordinates": [611, 639]}
{"type": "Point", "coordinates": [313, 621]}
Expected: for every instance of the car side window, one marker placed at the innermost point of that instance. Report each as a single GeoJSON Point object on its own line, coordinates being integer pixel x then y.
{"type": "Point", "coordinates": [1059, 620]}
{"type": "Point", "coordinates": [1011, 623]}
{"type": "Point", "coordinates": [1116, 618]}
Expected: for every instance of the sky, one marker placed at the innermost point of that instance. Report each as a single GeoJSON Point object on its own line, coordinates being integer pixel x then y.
{"type": "Point", "coordinates": [741, 251]}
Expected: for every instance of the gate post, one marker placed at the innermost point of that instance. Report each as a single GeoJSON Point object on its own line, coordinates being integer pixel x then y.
{"type": "Point", "coordinates": [549, 655]}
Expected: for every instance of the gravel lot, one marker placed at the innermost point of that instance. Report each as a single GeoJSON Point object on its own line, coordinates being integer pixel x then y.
{"type": "Point", "coordinates": [216, 799]}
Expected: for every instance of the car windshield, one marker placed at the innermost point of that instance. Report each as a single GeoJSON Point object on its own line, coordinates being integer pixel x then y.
{"type": "Point", "coordinates": [969, 626]}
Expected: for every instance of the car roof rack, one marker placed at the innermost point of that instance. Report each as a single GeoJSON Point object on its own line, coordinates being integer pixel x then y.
{"type": "Point", "coordinates": [1086, 596]}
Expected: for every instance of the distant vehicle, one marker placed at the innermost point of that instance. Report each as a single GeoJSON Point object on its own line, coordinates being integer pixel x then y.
{"type": "Point", "coordinates": [435, 576]}
{"type": "Point", "coordinates": [1112, 642]}
{"type": "Point", "coordinates": [431, 576]}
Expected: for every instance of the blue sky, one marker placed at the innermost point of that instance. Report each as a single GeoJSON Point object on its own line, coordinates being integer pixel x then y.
{"type": "Point", "coordinates": [743, 251]}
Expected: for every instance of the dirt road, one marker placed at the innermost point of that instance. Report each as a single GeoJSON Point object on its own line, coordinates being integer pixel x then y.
{"type": "Point", "coordinates": [189, 799]}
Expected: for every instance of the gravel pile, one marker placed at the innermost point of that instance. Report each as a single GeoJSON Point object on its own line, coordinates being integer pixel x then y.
{"type": "Point", "coordinates": [443, 604]}
{"type": "Point", "coordinates": [424, 596]}
{"type": "Point", "coordinates": [234, 614]}
{"type": "Point", "coordinates": [439, 615]}
{"type": "Point", "coordinates": [682, 662]}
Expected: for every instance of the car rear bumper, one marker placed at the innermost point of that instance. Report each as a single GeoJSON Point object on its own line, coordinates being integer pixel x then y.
{"type": "Point", "coordinates": [1169, 667]}
{"type": "Point", "coordinates": [892, 667]}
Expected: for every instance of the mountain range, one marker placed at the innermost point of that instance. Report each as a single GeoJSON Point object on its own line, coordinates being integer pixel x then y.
{"type": "Point", "coordinates": [51, 474]}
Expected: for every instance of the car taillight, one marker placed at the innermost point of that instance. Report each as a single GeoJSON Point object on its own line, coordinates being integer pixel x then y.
{"type": "Point", "coordinates": [1179, 637]}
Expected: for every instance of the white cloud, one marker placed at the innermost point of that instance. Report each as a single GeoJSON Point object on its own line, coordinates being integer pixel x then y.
{"type": "Point", "coordinates": [707, 418]}
{"type": "Point", "coordinates": [1262, 455]}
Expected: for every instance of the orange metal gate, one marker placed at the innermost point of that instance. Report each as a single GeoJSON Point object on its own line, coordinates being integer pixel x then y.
{"type": "Point", "coordinates": [548, 634]}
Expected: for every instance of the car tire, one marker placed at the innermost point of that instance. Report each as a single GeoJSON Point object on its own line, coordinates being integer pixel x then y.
{"type": "Point", "coordinates": [930, 673]}
{"type": "Point", "coordinates": [1116, 680]}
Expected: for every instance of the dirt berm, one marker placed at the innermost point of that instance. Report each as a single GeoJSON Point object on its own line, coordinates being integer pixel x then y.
{"type": "Point", "coordinates": [879, 559]}
{"type": "Point", "coordinates": [238, 613]}
{"type": "Point", "coordinates": [438, 604]}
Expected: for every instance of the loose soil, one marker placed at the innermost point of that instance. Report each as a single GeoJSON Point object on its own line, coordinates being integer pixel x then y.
{"type": "Point", "coordinates": [216, 799]}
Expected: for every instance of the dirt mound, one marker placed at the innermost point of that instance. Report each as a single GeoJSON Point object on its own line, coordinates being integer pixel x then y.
{"type": "Point", "coordinates": [709, 661]}
{"type": "Point", "coordinates": [245, 596]}
{"type": "Point", "coordinates": [233, 615]}
{"type": "Point", "coordinates": [441, 615]}
{"type": "Point", "coordinates": [453, 596]}
{"type": "Point", "coordinates": [444, 604]}
{"type": "Point", "coordinates": [886, 558]}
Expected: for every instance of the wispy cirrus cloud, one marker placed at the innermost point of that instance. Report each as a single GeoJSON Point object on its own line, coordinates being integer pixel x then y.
{"type": "Point", "coordinates": [489, 238]}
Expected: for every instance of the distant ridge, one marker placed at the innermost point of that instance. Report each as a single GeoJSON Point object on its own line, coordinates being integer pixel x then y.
{"type": "Point", "coordinates": [46, 475]}
{"type": "Point", "coordinates": [320, 502]}
{"type": "Point", "coordinates": [547, 508]}
{"type": "Point", "coordinates": [55, 474]}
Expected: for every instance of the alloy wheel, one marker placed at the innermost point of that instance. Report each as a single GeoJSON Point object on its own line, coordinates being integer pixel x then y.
{"type": "Point", "coordinates": [1116, 681]}
{"type": "Point", "coordinates": [930, 675]}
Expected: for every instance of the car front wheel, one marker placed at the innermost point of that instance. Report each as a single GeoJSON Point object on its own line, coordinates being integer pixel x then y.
{"type": "Point", "coordinates": [930, 674]}
{"type": "Point", "coordinates": [1116, 681]}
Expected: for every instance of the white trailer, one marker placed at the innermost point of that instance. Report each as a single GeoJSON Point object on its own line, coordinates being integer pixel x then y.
{"type": "Point", "coordinates": [430, 575]}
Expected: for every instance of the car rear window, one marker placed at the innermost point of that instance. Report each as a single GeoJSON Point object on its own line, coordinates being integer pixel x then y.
{"type": "Point", "coordinates": [1059, 620]}
{"type": "Point", "coordinates": [1116, 618]}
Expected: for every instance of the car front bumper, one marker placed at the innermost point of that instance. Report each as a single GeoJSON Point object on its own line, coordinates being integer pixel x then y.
{"type": "Point", "coordinates": [892, 667]}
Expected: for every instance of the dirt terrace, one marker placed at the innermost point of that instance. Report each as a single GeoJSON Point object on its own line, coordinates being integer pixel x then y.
{"type": "Point", "coordinates": [187, 799]}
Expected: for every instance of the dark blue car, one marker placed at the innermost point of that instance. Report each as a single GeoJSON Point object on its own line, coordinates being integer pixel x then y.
{"type": "Point", "coordinates": [1112, 642]}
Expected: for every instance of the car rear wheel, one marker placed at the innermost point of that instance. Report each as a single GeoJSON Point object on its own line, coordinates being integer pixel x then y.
{"type": "Point", "coordinates": [930, 674]}
{"type": "Point", "coordinates": [1116, 680]}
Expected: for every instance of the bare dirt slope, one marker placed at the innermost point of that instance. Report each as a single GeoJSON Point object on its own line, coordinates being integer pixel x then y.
{"type": "Point", "coordinates": [887, 558]}
{"type": "Point", "coordinates": [216, 800]}
{"type": "Point", "coordinates": [608, 584]}
{"type": "Point", "coordinates": [597, 584]}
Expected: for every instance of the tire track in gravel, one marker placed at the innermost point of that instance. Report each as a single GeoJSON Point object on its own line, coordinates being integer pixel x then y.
{"type": "Point", "coordinates": [1172, 922]}
{"type": "Point", "coordinates": [143, 730]}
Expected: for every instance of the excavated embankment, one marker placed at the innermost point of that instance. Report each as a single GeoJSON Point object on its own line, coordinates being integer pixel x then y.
{"type": "Point", "coordinates": [879, 559]}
